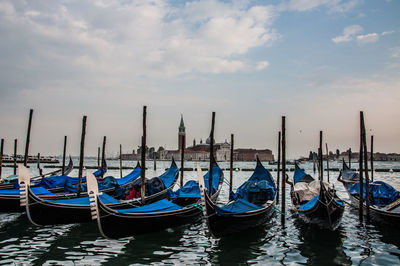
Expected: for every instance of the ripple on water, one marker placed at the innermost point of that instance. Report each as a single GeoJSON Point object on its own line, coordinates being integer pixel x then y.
{"type": "Point", "coordinates": [82, 244]}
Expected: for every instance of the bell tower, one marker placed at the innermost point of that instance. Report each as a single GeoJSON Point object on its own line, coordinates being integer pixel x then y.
{"type": "Point", "coordinates": [181, 135]}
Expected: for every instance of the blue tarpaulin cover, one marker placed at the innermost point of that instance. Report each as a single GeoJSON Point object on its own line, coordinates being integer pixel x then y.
{"type": "Point", "coordinates": [381, 193]}
{"type": "Point", "coordinates": [298, 175]}
{"type": "Point", "coordinates": [169, 176]}
{"type": "Point", "coordinates": [129, 177]}
{"type": "Point", "coordinates": [36, 190]}
{"type": "Point", "coordinates": [107, 183]}
{"type": "Point", "coordinates": [191, 188]}
{"type": "Point", "coordinates": [301, 176]}
{"type": "Point", "coordinates": [309, 204]}
{"type": "Point", "coordinates": [106, 199]}
{"type": "Point", "coordinates": [158, 206]}
{"type": "Point", "coordinates": [236, 207]}
{"type": "Point", "coordinates": [260, 181]}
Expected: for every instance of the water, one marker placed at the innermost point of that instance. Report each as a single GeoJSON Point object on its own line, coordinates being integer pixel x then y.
{"type": "Point", "coordinates": [81, 244]}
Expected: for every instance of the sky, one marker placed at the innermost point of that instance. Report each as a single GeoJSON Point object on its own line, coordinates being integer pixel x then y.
{"type": "Point", "coordinates": [316, 62]}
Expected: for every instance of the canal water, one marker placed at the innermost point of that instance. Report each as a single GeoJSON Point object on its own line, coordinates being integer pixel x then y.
{"type": "Point", "coordinates": [273, 244]}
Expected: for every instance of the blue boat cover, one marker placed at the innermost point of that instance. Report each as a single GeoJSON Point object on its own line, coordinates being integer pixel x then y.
{"type": "Point", "coordinates": [107, 183]}
{"type": "Point", "coordinates": [106, 199]}
{"type": "Point", "coordinates": [260, 184]}
{"type": "Point", "coordinates": [191, 188]}
{"type": "Point", "coordinates": [158, 206]}
{"type": "Point", "coordinates": [236, 207]}
{"type": "Point", "coordinates": [36, 190]}
{"type": "Point", "coordinates": [169, 176]}
{"type": "Point", "coordinates": [381, 193]}
{"type": "Point", "coordinates": [129, 177]}
{"type": "Point", "coordinates": [310, 204]}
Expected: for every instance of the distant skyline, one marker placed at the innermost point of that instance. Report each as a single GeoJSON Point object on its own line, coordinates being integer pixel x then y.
{"type": "Point", "coordinates": [318, 62]}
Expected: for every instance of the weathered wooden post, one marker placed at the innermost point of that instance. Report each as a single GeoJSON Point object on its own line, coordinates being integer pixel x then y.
{"type": "Point", "coordinates": [15, 156]}
{"type": "Point", "coordinates": [143, 154]}
{"type": "Point", "coordinates": [360, 170]}
{"type": "Point", "coordinates": [327, 160]}
{"type": "Point", "coordinates": [120, 160]}
{"type": "Point", "coordinates": [182, 148]}
{"type": "Point", "coordinates": [64, 152]}
{"type": "Point", "coordinates": [364, 135]}
{"type": "Point", "coordinates": [98, 157]}
{"type": "Point", "coordinates": [103, 156]}
{"type": "Point", "coordinates": [321, 161]}
{"type": "Point", "coordinates": [350, 158]}
{"type": "Point", "coordinates": [372, 158]}
{"type": "Point", "coordinates": [155, 163]}
{"type": "Point", "coordinates": [38, 165]}
{"type": "Point", "coordinates": [283, 167]}
{"type": "Point", "coordinates": [278, 169]}
{"type": "Point", "coordinates": [1, 155]}
{"type": "Point", "coordinates": [231, 165]}
{"type": "Point", "coordinates": [28, 137]}
{"type": "Point", "coordinates": [210, 178]}
{"type": "Point", "coordinates": [81, 154]}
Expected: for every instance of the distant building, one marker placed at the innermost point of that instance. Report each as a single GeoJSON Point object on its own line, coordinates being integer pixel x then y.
{"type": "Point", "coordinates": [201, 151]}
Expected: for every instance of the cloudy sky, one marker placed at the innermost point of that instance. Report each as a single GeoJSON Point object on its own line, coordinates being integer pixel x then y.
{"type": "Point", "coordinates": [318, 62]}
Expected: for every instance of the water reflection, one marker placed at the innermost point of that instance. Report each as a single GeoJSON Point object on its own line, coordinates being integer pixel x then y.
{"type": "Point", "coordinates": [322, 246]}
{"type": "Point", "coordinates": [241, 247]}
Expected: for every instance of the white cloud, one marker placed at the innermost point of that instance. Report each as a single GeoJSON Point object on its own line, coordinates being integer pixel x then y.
{"type": "Point", "coordinates": [349, 34]}
{"type": "Point", "coordinates": [308, 5]}
{"type": "Point", "coordinates": [368, 38]}
{"type": "Point", "coordinates": [387, 32]}
{"type": "Point", "coordinates": [395, 52]}
{"type": "Point", "coordinates": [261, 65]}
{"type": "Point", "coordinates": [139, 37]}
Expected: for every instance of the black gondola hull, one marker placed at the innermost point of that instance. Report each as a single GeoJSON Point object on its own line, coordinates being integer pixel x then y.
{"type": "Point", "coordinates": [326, 213]}
{"type": "Point", "coordinates": [41, 212]}
{"type": "Point", "coordinates": [115, 225]}
{"type": "Point", "coordinates": [220, 226]}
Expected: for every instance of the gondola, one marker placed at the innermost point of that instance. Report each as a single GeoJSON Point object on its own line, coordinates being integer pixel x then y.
{"type": "Point", "coordinates": [49, 187]}
{"type": "Point", "coordinates": [251, 206]}
{"type": "Point", "coordinates": [314, 201]}
{"type": "Point", "coordinates": [11, 183]}
{"type": "Point", "coordinates": [42, 211]}
{"type": "Point", "coordinates": [384, 199]}
{"type": "Point", "coordinates": [181, 208]}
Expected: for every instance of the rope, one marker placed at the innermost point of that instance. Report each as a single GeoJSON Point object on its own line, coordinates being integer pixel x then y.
{"type": "Point", "coordinates": [278, 211]}
{"type": "Point", "coordinates": [197, 205]}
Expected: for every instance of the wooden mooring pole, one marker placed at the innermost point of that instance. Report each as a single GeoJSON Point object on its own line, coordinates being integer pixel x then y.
{"type": "Point", "coordinates": [365, 167]}
{"type": "Point", "coordinates": [321, 161]}
{"type": "Point", "coordinates": [327, 160]}
{"type": "Point", "coordinates": [1, 155]}
{"type": "Point", "coordinates": [98, 157]}
{"type": "Point", "coordinates": [350, 158]}
{"type": "Point", "coordinates": [143, 154]}
{"type": "Point", "coordinates": [38, 165]}
{"type": "Point", "coordinates": [120, 160]}
{"type": "Point", "coordinates": [360, 170]}
{"type": "Point", "coordinates": [210, 177]}
{"type": "Point", "coordinates": [81, 154]}
{"type": "Point", "coordinates": [15, 156]}
{"type": "Point", "coordinates": [103, 156]}
{"type": "Point", "coordinates": [64, 153]}
{"type": "Point", "coordinates": [372, 158]}
{"type": "Point", "coordinates": [182, 148]}
{"type": "Point", "coordinates": [28, 137]}
{"type": "Point", "coordinates": [283, 208]}
{"type": "Point", "coordinates": [231, 165]}
{"type": "Point", "coordinates": [278, 170]}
